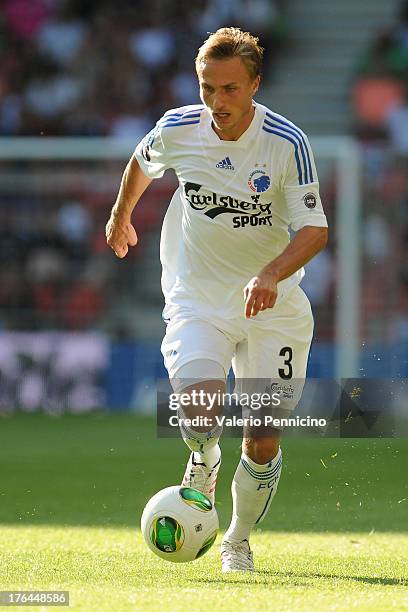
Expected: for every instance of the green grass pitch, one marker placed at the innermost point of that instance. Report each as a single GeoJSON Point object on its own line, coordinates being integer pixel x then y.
{"type": "Point", "coordinates": [72, 490]}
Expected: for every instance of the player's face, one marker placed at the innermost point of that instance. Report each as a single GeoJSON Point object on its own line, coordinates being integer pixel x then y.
{"type": "Point", "coordinates": [226, 89]}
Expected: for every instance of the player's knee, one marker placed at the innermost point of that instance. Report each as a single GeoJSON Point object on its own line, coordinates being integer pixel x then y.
{"type": "Point", "coordinates": [200, 397]}
{"type": "Point", "coordinates": [199, 373]}
{"type": "Point", "coordinates": [202, 404]}
{"type": "Point", "coordinates": [261, 450]}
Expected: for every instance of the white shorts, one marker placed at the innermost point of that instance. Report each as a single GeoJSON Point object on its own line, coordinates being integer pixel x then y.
{"type": "Point", "coordinates": [273, 345]}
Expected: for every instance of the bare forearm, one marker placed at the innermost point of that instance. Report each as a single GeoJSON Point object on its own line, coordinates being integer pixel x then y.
{"type": "Point", "coordinates": [261, 291]}
{"type": "Point", "coordinates": [305, 245]}
{"type": "Point", "coordinates": [120, 233]}
{"type": "Point", "coordinates": [134, 183]}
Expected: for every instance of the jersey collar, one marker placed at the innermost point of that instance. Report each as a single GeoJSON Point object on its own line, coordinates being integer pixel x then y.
{"type": "Point", "coordinates": [243, 140]}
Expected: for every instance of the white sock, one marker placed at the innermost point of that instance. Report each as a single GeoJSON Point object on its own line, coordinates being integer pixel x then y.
{"type": "Point", "coordinates": [253, 489]}
{"type": "Point", "coordinates": [209, 456]}
{"type": "Point", "coordinates": [204, 444]}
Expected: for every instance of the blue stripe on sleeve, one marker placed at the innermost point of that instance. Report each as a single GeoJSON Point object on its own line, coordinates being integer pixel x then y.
{"type": "Point", "coordinates": [297, 137]}
{"type": "Point", "coordinates": [295, 144]}
{"type": "Point", "coordinates": [168, 124]}
{"type": "Point", "coordinates": [172, 118]}
{"type": "Point", "coordinates": [293, 127]}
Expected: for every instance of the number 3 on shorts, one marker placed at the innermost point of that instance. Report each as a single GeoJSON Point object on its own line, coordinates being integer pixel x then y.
{"type": "Point", "coordinates": [287, 353]}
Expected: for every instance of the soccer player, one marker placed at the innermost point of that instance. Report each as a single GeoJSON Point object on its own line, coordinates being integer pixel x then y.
{"type": "Point", "coordinates": [231, 272]}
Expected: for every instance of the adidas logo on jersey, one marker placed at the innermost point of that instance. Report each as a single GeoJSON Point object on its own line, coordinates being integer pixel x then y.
{"type": "Point", "coordinates": [225, 164]}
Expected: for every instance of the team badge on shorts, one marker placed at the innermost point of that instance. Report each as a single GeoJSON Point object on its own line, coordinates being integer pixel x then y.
{"type": "Point", "coordinates": [259, 181]}
{"type": "Point", "coordinates": [310, 200]}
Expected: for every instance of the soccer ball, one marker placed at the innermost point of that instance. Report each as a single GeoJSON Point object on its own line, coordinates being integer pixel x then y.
{"type": "Point", "coordinates": [179, 524]}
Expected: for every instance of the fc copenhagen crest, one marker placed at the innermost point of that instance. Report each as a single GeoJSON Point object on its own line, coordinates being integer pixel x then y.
{"type": "Point", "coordinates": [259, 181]}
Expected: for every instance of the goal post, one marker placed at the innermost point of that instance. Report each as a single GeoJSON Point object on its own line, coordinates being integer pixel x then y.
{"type": "Point", "coordinates": [346, 155]}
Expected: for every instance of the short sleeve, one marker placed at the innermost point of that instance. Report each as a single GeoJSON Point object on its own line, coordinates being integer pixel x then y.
{"type": "Point", "coordinates": [151, 153]}
{"type": "Point", "coordinates": [301, 187]}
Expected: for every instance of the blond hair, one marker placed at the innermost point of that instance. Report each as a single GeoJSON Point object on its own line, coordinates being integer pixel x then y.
{"type": "Point", "coordinates": [227, 43]}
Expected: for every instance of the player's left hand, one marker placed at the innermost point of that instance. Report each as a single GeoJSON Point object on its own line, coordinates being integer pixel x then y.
{"type": "Point", "coordinates": [260, 293]}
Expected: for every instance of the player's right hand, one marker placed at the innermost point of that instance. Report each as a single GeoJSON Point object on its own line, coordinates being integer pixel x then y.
{"type": "Point", "coordinates": [120, 234]}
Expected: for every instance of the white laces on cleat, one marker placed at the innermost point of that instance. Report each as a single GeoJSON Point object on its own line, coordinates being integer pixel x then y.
{"type": "Point", "coordinates": [236, 557]}
{"type": "Point", "coordinates": [200, 477]}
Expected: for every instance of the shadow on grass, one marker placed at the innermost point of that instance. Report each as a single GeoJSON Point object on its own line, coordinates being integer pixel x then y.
{"type": "Point", "coordinates": [364, 579]}
{"type": "Point", "coordinates": [297, 579]}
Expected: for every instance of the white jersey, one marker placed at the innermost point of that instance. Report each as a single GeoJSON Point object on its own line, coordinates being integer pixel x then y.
{"type": "Point", "coordinates": [230, 215]}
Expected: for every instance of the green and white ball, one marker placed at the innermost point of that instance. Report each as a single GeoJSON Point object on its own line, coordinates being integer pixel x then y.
{"type": "Point", "coordinates": [179, 524]}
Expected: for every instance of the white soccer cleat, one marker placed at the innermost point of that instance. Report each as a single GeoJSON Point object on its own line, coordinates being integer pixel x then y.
{"type": "Point", "coordinates": [199, 477]}
{"type": "Point", "coordinates": [236, 557]}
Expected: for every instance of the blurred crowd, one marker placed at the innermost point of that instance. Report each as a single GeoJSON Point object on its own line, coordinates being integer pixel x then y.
{"type": "Point", "coordinates": [379, 96]}
{"type": "Point", "coordinates": [380, 88]}
{"type": "Point", "coordinates": [88, 67]}
{"type": "Point", "coordinates": [56, 271]}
